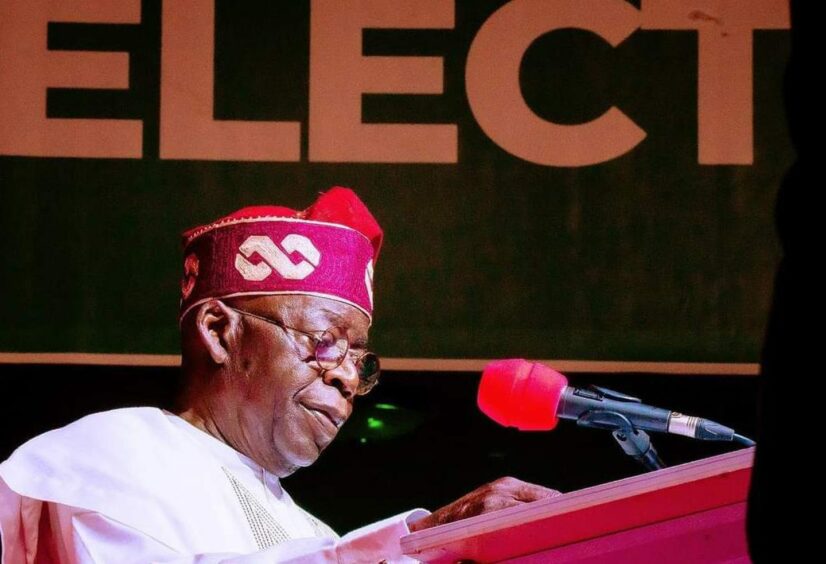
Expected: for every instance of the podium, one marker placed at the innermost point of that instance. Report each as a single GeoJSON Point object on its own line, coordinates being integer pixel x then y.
{"type": "Point", "coordinates": [690, 513]}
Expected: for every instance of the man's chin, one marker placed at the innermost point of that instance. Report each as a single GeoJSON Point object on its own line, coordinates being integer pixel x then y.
{"type": "Point", "coordinates": [284, 469]}
{"type": "Point", "coordinates": [288, 465]}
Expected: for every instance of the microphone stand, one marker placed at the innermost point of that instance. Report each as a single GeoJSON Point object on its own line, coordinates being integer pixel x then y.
{"type": "Point", "coordinates": [634, 442]}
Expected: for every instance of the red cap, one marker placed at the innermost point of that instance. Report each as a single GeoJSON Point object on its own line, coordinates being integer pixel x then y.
{"type": "Point", "coordinates": [327, 250]}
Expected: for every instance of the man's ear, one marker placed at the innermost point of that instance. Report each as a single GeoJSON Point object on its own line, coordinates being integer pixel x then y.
{"type": "Point", "coordinates": [218, 328]}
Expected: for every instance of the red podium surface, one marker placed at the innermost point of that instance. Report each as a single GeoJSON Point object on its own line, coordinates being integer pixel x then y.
{"type": "Point", "coordinates": [693, 513]}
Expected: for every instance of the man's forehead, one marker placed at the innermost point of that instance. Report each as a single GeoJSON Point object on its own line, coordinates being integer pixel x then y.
{"type": "Point", "coordinates": [313, 312]}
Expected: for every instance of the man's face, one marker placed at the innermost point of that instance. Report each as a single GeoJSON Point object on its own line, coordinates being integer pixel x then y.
{"type": "Point", "coordinates": [279, 409]}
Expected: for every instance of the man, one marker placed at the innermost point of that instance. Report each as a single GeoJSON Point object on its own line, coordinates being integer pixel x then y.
{"type": "Point", "coordinates": [275, 312]}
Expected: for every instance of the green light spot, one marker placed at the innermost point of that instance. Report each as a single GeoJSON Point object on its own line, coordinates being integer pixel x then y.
{"type": "Point", "coordinates": [373, 423]}
{"type": "Point", "coordinates": [363, 441]}
{"type": "Point", "coordinates": [386, 406]}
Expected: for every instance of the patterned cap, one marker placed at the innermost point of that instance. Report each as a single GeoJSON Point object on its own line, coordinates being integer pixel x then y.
{"type": "Point", "coordinates": [328, 250]}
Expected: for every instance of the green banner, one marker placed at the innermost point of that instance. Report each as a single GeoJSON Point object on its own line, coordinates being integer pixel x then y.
{"type": "Point", "coordinates": [559, 179]}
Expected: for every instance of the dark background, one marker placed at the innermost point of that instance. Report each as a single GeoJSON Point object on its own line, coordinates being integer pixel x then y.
{"type": "Point", "coordinates": [435, 447]}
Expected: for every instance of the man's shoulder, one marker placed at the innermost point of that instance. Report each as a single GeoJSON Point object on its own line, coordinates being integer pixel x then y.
{"type": "Point", "coordinates": [110, 425]}
{"type": "Point", "coordinates": [114, 420]}
{"type": "Point", "coordinates": [104, 431]}
{"type": "Point", "coordinates": [108, 449]}
{"type": "Point", "coordinates": [138, 467]}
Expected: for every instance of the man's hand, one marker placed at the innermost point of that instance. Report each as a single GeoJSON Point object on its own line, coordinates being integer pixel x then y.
{"type": "Point", "coordinates": [499, 494]}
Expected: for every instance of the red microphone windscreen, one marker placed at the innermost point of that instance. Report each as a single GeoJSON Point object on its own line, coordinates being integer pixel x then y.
{"type": "Point", "coordinates": [521, 394]}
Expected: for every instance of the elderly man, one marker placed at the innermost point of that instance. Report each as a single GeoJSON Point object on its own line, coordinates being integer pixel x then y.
{"type": "Point", "coordinates": [275, 312]}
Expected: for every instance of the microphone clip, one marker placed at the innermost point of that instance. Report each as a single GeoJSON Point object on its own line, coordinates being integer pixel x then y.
{"type": "Point", "coordinates": [614, 395]}
{"type": "Point", "coordinates": [634, 442]}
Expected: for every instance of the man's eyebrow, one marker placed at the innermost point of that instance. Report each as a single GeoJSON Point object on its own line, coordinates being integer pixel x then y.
{"type": "Point", "coordinates": [337, 319]}
{"type": "Point", "coordinates": [335, 316]}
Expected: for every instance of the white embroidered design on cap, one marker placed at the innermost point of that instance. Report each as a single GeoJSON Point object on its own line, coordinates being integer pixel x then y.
{"type": "Point", "coordinates": [368, 281]}
{"type": "Point", "coordinates": [274, 258]}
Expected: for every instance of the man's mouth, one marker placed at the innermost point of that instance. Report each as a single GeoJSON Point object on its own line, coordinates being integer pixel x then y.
{"type": "Point", "coordinates": [329, 417]}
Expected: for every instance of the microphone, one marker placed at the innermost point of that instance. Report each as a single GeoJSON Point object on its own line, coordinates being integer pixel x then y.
{"type": "Point", "coordinates": [533, 397]}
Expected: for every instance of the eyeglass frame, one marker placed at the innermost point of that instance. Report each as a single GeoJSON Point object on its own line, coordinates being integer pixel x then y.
{"type": "Point", "coordinates": [366, 384]}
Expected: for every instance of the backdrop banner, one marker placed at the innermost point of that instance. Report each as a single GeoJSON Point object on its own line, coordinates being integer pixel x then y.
{"type": "Point", "coordinates": [571, 179]}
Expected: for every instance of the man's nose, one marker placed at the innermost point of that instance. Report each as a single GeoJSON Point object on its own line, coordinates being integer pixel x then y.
{"type": "Point", "coordinates": [344, 377]}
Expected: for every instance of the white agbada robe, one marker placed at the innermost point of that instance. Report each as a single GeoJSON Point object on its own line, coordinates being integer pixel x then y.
{"type": "Point", "coordinates": [143, 485]}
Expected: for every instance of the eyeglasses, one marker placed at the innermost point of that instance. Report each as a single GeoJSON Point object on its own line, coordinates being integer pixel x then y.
{"type": "Point", "coordinates": [330, 351]}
